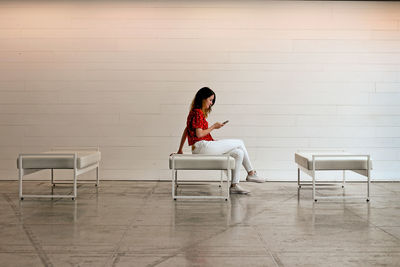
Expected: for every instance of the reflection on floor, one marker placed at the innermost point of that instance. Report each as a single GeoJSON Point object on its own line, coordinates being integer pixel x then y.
{"type": "Point", "coordinates": [138, 224]}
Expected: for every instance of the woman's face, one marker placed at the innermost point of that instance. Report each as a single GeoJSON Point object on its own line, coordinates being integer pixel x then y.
{"type": "Point", "coordinates": [208, 102]}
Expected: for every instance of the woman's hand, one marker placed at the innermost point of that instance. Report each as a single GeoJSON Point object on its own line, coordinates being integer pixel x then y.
{"type": "Point", "coordinates": [179, 152]}
{"type": "Point", "coordinates": [217, 125]}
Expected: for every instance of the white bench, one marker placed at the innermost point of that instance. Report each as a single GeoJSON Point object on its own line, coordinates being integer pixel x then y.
{"type": "Point", "coordinates": [311, 162]}
{"type": "Point", "coordinates": [200, 162]}
{"type": "Point", "coordinates": [80, 160]}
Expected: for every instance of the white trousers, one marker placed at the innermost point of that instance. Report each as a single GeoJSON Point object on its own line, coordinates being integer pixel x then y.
{"type": "Point", "coordinates": [233, 147]}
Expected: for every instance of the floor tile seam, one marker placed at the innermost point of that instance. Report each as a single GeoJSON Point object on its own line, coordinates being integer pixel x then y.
{"type": "Point", "coordinates": [32, 251]}
{"type": "Point", "coordinates": [386, 189]}
{"type": "Point", "coordinates": [324, 251]}
{"type": "Point", "coordinates": [76, 224]}
{"type": "Point", "coordinates": [30, 235]}
{"type": "Point", "coordinates": [342, 253]}
{"type": "Point", "coordinates": [189, 246]}
{"type": "Point", "coordinates": [114, 258]}
{"type": "Point", "coordinates": [80, 253]}
{"type": "Point", "coordinates": [198, 242]}
{"type": "Point", "coordinates": [182, 250]}
{"type": "Point", "coordinates": [392, 235]}
{"type": "Point", "coordinates": [372, 224]}
{"type": "Point", "coordinates": [275, 258]}
{"type": "Point", "coordinates": [262, 211]}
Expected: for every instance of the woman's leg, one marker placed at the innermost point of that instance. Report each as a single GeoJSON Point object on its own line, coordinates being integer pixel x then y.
{"type": "Point", "coordinates": [226, 145]}
{"type": "Point", "coordinates": [246, 159]}
{"type": "Point", "coordinates": [237, 154]}
{"type": "Point", "coordinates": [233, 147]}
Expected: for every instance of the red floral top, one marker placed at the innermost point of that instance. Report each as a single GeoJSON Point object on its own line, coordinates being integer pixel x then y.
{"type": "Point", "coordinates": [196, 120]}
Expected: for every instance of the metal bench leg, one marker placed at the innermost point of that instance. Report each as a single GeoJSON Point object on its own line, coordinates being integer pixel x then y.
{"type": "Point", "coordinates": [313, 178]}
{"type": "Point", "coordinates": [52, 178]}
{"type": "Point", "coordinates": [97, 176]}
{"type": "Point", "coordinates": [75, 174]}
{"type": "Point", "coordinates": [173, 177]}
{"type": "Point", "coordinates": [21, 174]}
{"type": "Point", "coordinates": [298, 178]}
{"type": "Point", "coordinates": [344, 179]}
{"type": "Point", "coordinates": [368, 177]}
{"type": "Point", "coordinates": [228, 178]}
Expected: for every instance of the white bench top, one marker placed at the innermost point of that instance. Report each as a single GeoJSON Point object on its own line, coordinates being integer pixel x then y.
{"type": "Point", "coordinates": [346, 162]}
{"type": "Point", "coordinates": [44, 160]}
{"type": "Point", "coordinates": [201, 162]}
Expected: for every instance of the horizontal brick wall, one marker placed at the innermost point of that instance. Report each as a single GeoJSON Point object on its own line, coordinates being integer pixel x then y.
{"type": "Point", "coordinates": [289, 75]}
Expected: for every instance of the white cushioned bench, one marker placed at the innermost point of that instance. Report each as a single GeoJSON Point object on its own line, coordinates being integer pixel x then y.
{"type": "Point", "coordinates": [311, 162]}
{"type": "Point", "coordinates": [200, 162]}
{"type": "Point", "coordinates": [81, 160]}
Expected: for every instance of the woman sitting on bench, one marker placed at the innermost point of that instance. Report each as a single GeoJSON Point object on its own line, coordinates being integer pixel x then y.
{"type": "Point", "coordinates": [199, 137]}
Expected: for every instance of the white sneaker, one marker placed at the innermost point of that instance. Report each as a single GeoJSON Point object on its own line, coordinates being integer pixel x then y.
{"type": "Point", "coordinates": [254, 178]}
{"type": "Point", "coordinates": [238, 190]}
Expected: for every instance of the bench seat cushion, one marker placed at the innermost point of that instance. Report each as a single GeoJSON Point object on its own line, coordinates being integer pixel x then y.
{"type": "Point", "coordinates": [201, 162]}
{"type": "Point", "coordinates": [331, 163]}
{"type": "Point", "coordinates": [45, 161]}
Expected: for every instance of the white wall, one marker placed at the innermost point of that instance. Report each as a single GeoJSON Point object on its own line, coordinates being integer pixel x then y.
{"type": "Point", "coordinates": [288, 75]}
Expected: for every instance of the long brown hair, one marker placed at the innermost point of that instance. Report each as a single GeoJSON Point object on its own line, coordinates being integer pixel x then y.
{"type": "Point", "coordinates": [201, 95]}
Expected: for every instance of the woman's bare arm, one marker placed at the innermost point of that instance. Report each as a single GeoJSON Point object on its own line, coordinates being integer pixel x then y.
{"type": "Point", "coordinates": [201, 133]}
{"type": "Point", "coordinates": [183, 139]}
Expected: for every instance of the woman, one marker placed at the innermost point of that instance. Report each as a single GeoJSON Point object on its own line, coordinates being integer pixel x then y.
{"type": "Point", "coordinates": [199, 137]}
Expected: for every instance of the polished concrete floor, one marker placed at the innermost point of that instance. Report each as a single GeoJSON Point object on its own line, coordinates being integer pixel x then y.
{"type": "Point", "coordinates": [138, 224]}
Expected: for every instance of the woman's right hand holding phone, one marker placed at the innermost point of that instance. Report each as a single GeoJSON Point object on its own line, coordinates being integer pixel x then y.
{"type": "Point", "coordinates": [218, 125]}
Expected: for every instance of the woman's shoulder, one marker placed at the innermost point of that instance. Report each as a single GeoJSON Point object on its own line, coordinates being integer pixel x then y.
{"type": "Point", "coordinates": [195, 112]}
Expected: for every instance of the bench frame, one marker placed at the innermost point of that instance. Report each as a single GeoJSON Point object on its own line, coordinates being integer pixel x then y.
{"type": "Point", "coordinates": [175, 184]}
{"type": "Point", "coordinates": [77, 172]}
{"type": "Point", "coordinates": [312, 173]}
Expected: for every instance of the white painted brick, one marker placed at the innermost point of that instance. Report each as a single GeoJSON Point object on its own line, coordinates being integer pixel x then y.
{"type": "Point", "coordinates": [12, 86]}
{"type": "Point", "coordinates": [9, 151]}
{"type": "Point", "coordinates": [271, 109]}
{"type": "Point", "coordinates": [57, 119]}
{"type": "Point", "coordinates": [348, 120]}
{"type": "Point", "coordinates": [349, 143]}
{"type": "Point", "coordinates": [385, 99]}
{"type": "Point", "coordinates": [388, 132]}
{"type": "Point", "coordinates": [314, 57]}
{"type": "Point", "coordinates": [8, 174]}
{"type": "Point", "coordinates": [358, 46]}
{"type": "Point", "coordinates": [57, 141]}
{"type": "Point", "coordinates": [142, 141]}
{"type": "Point", "coordinates": [288, 75]}
{"type": "Point", "coordinates": [369, 110]}
{"type": "Point", "coordinates": [11, 56]}
{"type": "Point", "coordinates": [359, 11]}
{"type": "Point", "coordinates": [18, 97]}
{"type": "Point", "coordinates": [274, 142]}
{"type": "Point", "coordinates": [52, 108]}
{"type": "Point", "coordinates": [396, 142]}
{"type": "Point", "coordinates": [206, 45]}
{"type": "Point", "coordinates": [387, 165]}
{"type": "Point", "coordinates": [305, 132]}
{"type": "Point", "coordinates": [385, 35]}
{"type": "Point", "coordinates": [388, 87]}
{"type": "Point", "coordinates": [66, 131]}
{"type": "Point", "coordinates": [379, 153]}
{"type": "Point", "coordinates": [311, 98]}
{"type": "Point", "coordinates": [6, 164]}
{"type": "Point", "coordinates": [11, 140]}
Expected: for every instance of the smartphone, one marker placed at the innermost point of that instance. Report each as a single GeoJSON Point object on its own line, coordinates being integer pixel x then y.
{"type": "Point", "coordinates": [225, 122]}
